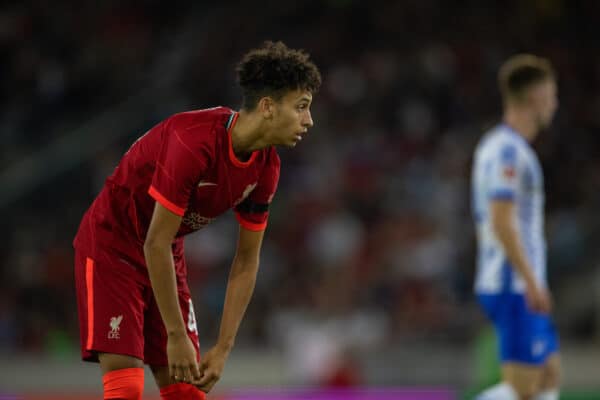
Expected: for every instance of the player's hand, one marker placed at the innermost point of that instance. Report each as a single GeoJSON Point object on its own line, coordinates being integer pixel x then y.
{"type": "Point", "coordinates": [538, 299]}
{"type": "Point", "coordinates": [181, 353]}
{"type": "Point", "coordinates": [211, 367]}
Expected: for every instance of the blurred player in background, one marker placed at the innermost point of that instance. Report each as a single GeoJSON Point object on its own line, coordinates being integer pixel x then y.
{"type": "Point", "coordinates": [134, 302]}
{"type": "Point", "coordinates": [508, 206]}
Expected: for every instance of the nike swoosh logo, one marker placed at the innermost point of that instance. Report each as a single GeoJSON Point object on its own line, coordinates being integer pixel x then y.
{"type": "Point", "coordinates": [206, 184]}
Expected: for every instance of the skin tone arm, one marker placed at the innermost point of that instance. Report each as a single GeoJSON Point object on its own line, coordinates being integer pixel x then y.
{"type": "Point", "coordinates": [159, 259]}
{"type": "Point", "coordinates": [240, 287]}
{"type": "Point", "coordinates": [503, 223]}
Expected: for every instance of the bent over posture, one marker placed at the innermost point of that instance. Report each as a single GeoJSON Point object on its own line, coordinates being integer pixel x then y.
{"type": "Point", "coordinates": [133, 299]}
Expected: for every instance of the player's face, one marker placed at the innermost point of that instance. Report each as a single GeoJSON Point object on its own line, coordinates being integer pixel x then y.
{"type": "Point", "coordinates": [291, 118]}
{"type": "Point", "coordinates": [544, 101]}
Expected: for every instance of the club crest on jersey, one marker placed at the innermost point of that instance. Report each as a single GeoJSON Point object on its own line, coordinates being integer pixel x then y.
{"type": "Point", "coordinates": [509, 172]}
{"type": "Point", "coordinates": [114, 327]}
{"type": "Point", "coordinates": [538, 347]}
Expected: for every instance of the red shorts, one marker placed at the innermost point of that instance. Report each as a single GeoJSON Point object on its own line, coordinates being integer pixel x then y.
{"type": "Point", "coordinates": [117, 310]}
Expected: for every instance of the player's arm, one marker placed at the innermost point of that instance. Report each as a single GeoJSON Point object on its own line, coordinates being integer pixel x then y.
{"type": "Point", "coordinates": [240, 287]}
{"type": "Point", "coordinates": [159, 260]}
{"type": "Point", "coordinates": [503, 223]}
{"type": "Point", "coordinates": [503, 219]}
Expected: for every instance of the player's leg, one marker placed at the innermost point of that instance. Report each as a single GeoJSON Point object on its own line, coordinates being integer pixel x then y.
{"type": "Point", "coordinates": [522, 381]}
{"type": "Point", "coordinates": [494, 309]}
{"type": "Point", "coordinates": [122, 376]}
{"type": "Point", "coordinates": [156, 345]}
{"type": "Point", "coordinates": [549, 388]}
{"type": "Point", "coordinates": [110, 314]}
{"type": "Point", "coordinates": [534, 382]}
{"type": "Point", "coordinates": [519, 382]}
{"type": "Point", "coordinates": [523, 346]}
{"type": "Point", "coordinates": [531, 340]}
{"type": "Point", "coordinates": [550, 383]}
{"type": "Point", "coordinates": [171, 390]}
{"type": "Point", "coordinates": [523, 378]}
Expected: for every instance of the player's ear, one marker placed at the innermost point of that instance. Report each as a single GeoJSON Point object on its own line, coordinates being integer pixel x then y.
{"type": "Point", "coordinates": [266, 107]}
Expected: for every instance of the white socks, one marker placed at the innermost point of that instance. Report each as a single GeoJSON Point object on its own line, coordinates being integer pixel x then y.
{"type": "Point", "coordinates": [501, 391]}
{"type": "Point", "coordinates": [551, 394]}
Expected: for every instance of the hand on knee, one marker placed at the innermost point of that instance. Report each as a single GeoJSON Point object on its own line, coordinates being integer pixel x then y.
{"type": "Point", "coordinates": [124, 384]}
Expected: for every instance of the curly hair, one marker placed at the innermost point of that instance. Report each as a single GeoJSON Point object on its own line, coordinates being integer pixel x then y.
{"type": "Point", "coordinates": [274, 69]}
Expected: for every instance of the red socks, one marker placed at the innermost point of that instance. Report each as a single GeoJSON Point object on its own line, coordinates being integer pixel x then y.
{"type": "Point", "coordinates": [128, 384]}
{"type": "Point", "coordinates": [124, 384]}
{"type": "Point", "coordinates": [181, 391]}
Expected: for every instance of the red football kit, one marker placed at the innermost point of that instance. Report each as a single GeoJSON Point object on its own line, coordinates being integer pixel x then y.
{"type": "Point", "coordinates": [187, 164]}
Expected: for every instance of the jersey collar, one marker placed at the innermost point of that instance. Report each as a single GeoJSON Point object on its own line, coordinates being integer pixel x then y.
{"type": "Point", "coordinates": [511, 131]}
{"type": "Point", "coordinates": [229, 126]}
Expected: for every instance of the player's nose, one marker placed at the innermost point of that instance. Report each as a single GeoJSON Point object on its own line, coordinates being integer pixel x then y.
{"type": "Point", "coordinates": [308, 121]}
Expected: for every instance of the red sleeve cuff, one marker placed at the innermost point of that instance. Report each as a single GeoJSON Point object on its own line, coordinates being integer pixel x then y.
{"type": "Point", "coordinates": [251, 226]}
{"type": "Point", "coordinates": [175, 209]}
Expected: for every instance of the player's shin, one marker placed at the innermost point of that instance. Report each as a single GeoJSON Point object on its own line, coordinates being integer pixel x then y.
{"type": "Point", "coordinates": [124, 384]}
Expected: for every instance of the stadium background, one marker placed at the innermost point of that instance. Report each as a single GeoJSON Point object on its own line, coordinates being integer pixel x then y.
{"type": "Point", "coordinates": [368, 261]}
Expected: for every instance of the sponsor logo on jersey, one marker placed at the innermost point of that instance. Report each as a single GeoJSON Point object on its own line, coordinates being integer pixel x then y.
{"type": "Point", "coordinates": [195, 220]}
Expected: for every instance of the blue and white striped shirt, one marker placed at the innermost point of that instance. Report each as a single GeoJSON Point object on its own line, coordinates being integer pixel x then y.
{"type": "Point", "coordinates": [506, 167]}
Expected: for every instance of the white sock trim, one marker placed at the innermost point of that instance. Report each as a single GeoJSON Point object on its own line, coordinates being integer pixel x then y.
{"type": "Point", "coordinates": [551, 394]}
{"type": "Point", "coordinates": [500, 391]}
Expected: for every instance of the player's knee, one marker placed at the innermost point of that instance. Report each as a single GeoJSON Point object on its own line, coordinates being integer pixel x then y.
{"type": "Point", "coordinates": [552, 374]}
{"type": "Point", "coordinates": [124, 384]}
{"type": "Point", "coordinates": [551, 380]}
{"type": "Point", "coordinates": [525, 392]}
{"type": "Point", "coordinates": [524, 387]}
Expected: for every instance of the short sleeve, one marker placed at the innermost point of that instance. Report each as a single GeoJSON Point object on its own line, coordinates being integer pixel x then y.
{"type": "Point", "coordinates": [504, 173]}
{"type": "Point", "coordinates": [181, 163]}
{"type": "Point", "coordinates": [253, 212]}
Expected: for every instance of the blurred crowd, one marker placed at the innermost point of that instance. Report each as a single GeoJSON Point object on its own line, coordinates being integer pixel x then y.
{"type": "Point", "coordinates": [370, 239]}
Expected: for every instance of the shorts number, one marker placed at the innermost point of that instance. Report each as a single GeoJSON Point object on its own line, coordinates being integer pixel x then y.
{"type": "Point", "coordinates": [191, 323]}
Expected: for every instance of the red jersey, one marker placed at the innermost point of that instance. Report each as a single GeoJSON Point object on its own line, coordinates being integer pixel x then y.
{"type": "Point", "coordinates": [187, 164]}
